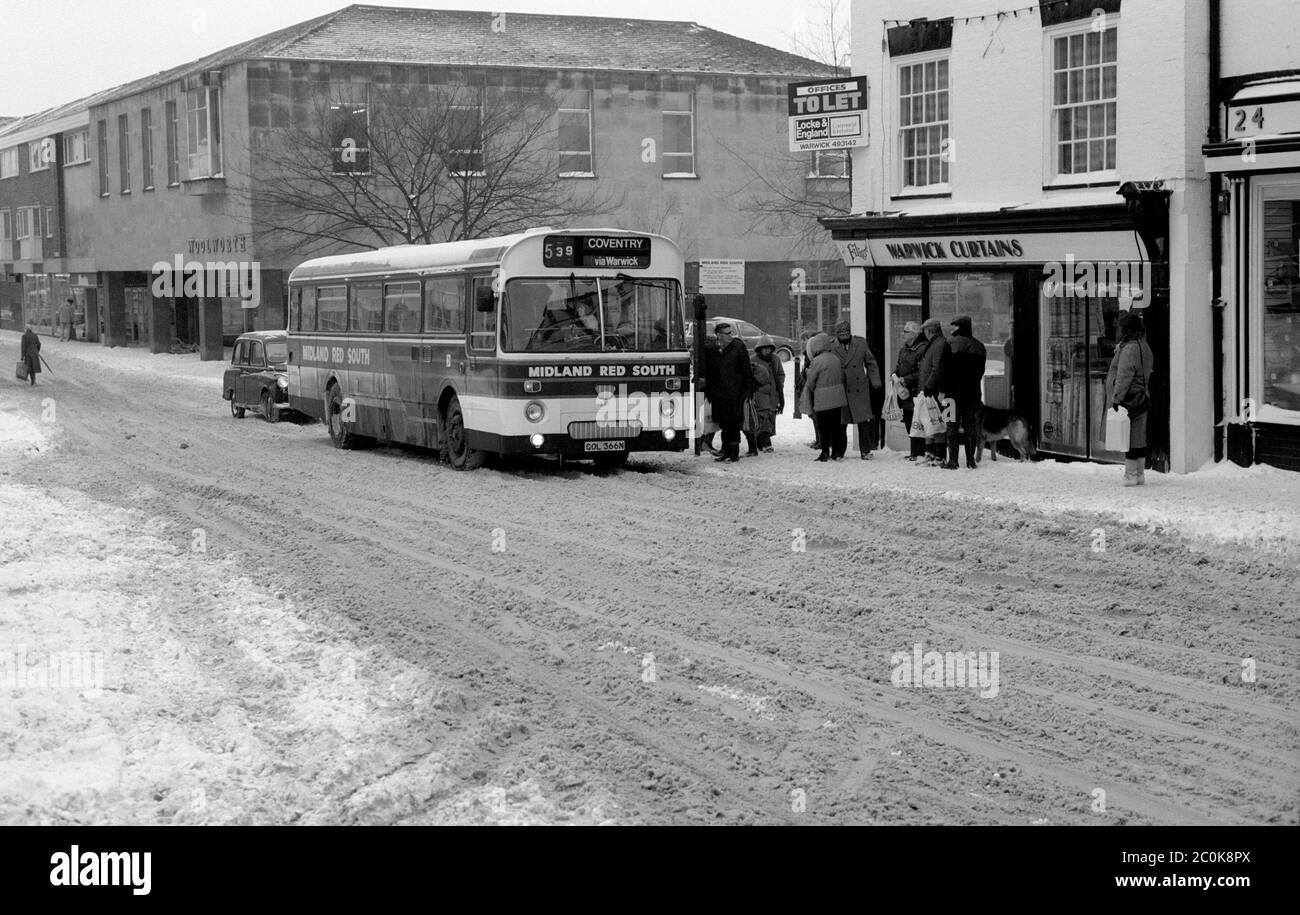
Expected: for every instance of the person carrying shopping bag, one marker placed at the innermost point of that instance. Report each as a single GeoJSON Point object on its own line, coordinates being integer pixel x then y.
{"type": "Point", "coordinates": [1127, 386]}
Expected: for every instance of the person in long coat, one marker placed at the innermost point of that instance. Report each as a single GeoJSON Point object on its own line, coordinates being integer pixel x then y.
{"type": "Point", "coordinates": [908, 370]}
{"type": "Point", "coordinates": [710, 347]}
{"type": "Point", "coordinates": [963, 384]}
{"type": "Point", "coordinates": [825, 397]}
{"type": "Point", "coordinates": [1127, 384]}
{"type": "Point", "coordinates": [769, 395]}
{"type": "Point", "coordinates": [31, 353]}
{"type": "Point", "coordinates": [861, 374]}
{"type": "Point", "coordinates": [729, 382]}
{"type": "Point", "coordinates": [934, 363]}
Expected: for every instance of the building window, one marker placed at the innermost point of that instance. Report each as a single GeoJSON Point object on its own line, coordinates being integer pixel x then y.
{"type": "Point", "coordinates": [101, 152]}
{"type": "Point", "coordinates": [829, 163]}
{"type": "Point", "coordinates": [1084, 93]}
{"type": "Point", "coordinates": [23, 227]}
{"type": "Point", "coordinates": [575, 139]}
{"type": "Point", "coordinates": [9, 163]}
{"type": "Point", "coordinates": [679, 143]}
{"type": "Point", "coordinates": [350, 131]}
{"type": "Point", "coordinates": [923, 123]}
{"type": "Point", "coordinates": [173, 147]}
{"type": "Point", "coordinates": [6, 230]}
{"type": "Point", "coordinates": [40, 154]}
{"type": "Point", "coordinates": [124, 153]}
{"type": "Point", "coordinates": [465, 140]}
{"type": "Point", "coordinates": [76, 147]}
{"type": "Point", "coordinates": [49, 222]}
{"type": "Point", "coordinates": [203, 129]}
{"type": "Point", "coordinates": [146, 147]}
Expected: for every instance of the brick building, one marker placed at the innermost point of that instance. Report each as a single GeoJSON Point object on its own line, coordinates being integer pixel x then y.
{"type": "Point", "coordinates": [663, 113]}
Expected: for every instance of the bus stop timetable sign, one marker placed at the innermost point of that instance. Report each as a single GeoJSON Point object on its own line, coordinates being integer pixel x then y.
{"type": "Point", "coordinates": [828, 114]}
{"type": "Point", "coordinates": [596, 251]}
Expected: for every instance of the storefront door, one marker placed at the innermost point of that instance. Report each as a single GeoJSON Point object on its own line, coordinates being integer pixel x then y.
{"type": "Point", "coordinates": [987, 299]}
{"type": "Point", "coordinates": [1077, 340]}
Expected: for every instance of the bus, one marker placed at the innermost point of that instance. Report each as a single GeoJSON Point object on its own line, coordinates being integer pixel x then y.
{"type": "Point", "coordinates": [565, 344]}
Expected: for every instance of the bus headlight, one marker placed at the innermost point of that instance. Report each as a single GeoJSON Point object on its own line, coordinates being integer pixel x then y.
{"type": "Point", "coordinates": [537, 439]}
{"type": "Point", "coordinates": [534, 412]}
{"type": "Point", "coordinates": [669, 435]}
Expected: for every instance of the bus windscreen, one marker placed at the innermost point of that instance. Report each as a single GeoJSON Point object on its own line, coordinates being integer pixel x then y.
{"type": "Point", "coordinates": [583, 314]}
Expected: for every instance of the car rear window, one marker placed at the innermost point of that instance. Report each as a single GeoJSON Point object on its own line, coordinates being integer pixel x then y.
{"type": "Point", "coordinates": [277, 351]}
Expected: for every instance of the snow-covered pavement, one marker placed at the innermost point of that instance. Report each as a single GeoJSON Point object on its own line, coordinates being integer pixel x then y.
{"type": "Point", "coordinates": [290, 633]}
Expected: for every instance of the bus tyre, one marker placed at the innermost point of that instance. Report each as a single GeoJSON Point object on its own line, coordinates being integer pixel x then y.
{"type": "Point", "coordinates": [340, 434]}
{"type": "Point", "coordinates": [235, 409]}
{"type": "Point", "coordinates": [459, 453]}
{"type": "Point", "coordinates": [268, 408]}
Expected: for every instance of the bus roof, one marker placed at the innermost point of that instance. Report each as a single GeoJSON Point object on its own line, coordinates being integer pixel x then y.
{"type": "Point", "coordinates": [417, 258]}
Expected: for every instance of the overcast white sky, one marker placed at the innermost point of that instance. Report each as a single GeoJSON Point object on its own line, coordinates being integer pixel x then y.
{"type": "Point", "coordinates": [55, 51]}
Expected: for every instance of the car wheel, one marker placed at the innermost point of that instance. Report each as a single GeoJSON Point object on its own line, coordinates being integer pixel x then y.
{"type": "Point", "coordinates": [340, 434]}
{"type": "Point", "coordinates": [459, 453]}
{"type": "Point", "coordinates": [235, 409]}
{"type": "Point", "coordinates": [268, 408]}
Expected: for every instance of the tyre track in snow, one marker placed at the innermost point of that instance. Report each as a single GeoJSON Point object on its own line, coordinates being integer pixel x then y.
{"type": "Point", "coordinates": [853, 598]}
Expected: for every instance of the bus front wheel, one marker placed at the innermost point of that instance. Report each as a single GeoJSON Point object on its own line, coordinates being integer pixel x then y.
{"type": "Point", "coordinates": [459, 453]}
{"type": "Point", "coordinates": [340, 434]}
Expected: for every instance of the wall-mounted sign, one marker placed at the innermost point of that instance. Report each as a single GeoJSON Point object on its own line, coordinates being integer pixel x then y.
{"type": "Point", "coordinates": [622, 251]}
{"type": "Point", "coordinates": [1027, 248]}
{"type": "Point", "coordinates": [722, 277]}
{"type": "Point", "coordinates": [1260, 118]}
{"type": "Point", "coordinates": [828, 114]}
{"type": "Point", "coordinates": [226, 244]}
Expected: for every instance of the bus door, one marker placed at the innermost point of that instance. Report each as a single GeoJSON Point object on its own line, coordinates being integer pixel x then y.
{"type": "Point", "coordinates": [480, 366]}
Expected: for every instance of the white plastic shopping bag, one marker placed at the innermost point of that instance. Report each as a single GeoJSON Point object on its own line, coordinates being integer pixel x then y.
{"type": "Point", "coordinates": [1118, 427]}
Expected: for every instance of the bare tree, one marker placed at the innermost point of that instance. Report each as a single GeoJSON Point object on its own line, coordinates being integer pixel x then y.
{"type": "Point", "coordinates": [787, 192]}
{"type": "Point", "coordinates": [414, 164]}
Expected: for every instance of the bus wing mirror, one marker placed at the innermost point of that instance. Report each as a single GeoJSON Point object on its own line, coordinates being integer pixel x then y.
{"type": "Point", "coordinates": [485, 299]}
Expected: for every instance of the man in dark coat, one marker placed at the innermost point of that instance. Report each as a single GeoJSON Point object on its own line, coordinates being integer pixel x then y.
{"type": "Point", "coordinates": [861, 374]}
{"type": "Point", "coordinates": [729, 382]}
{"type": "Point", "coordinates": [31, 353]}
{"type": "Point", "coordinates": [934, 364]}
{"type": "Point", "coordinates": [908, 370]}
{"type": "Point", "coordinates": [962, 383]}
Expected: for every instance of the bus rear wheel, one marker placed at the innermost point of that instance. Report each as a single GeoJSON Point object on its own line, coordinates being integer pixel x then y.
{"type": "Point", "coordinates": [340, 435]}
{"type": "Point", "coordinates": [459, 453]}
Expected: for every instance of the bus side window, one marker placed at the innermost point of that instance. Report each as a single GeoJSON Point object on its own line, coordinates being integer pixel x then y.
{"type": "Point", "coordinates": [307, 308]}
{"type": "Point", "coordinates": [444, 305]}
{"type": "Point", "coordinates": [483, 324]}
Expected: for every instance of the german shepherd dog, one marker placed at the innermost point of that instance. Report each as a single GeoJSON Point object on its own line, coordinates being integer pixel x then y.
{"type": "Point", "coordinates": [995, 425]}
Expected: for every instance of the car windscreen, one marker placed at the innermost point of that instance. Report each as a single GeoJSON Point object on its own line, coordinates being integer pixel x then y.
{"type": "Point", "coordinates": [617, 314]}
{"type": "Point", "coordinates": [277, 352]}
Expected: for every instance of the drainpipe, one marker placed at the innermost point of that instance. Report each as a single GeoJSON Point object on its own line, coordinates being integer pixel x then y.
{"type": "Point", "coordinates": [1217, 214]}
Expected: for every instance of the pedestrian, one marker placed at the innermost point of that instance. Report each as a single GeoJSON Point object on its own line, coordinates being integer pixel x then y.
{"type": "Point", "coordinates": [729, 382]}
{"type": "Point", "coordinates": [934, 361]}
{"type": "Point", "coordinates": [861, 374]}
{"type": "Point", "coordinates": [1128, 386]}
{"type": "Point", "coordinates": [710, 348]}
{"type": "Point", "coordinates": [65, 319]}
{"type": "Point", "coordinates": [963, 379]}
{"type": "Point", "coordinates": [30, 353]}
{"type": "Point", "coordinates": [800, 380]}
{"type": "Point", "coordinates": [769, 395]}
{"type": "Point", "coordinates": [908, 370]}
{"type": "Point", "coordinates": [826, 398]}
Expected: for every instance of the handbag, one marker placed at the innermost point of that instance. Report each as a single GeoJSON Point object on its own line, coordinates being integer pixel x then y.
{"type": "Point", "coordinates": [1118, 428]}
{"type": "Point", "coordinates": [20, 370]}
{"type": "Point", "coordinates": [750, 422]}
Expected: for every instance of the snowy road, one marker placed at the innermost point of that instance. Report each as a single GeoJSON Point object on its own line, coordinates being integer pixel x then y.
{"type": "Point", "coordinates": [292, 633]}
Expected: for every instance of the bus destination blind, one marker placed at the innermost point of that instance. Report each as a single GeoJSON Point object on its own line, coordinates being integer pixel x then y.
{"type": "Point", "coordinates": [596, 251]}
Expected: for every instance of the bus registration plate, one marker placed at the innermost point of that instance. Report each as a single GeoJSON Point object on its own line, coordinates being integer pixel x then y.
{"type": "Point", "coordinates": [605, 446]}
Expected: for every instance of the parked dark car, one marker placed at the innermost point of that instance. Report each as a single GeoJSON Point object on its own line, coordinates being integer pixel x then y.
{"type": "Point", "coordinates": [749, 334]}
{"type": "Point", "coordinates": [257, 378]}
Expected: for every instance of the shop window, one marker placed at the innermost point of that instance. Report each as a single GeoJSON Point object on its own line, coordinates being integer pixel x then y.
{"type": "Point", "coordinates": [678, 152]}
{"type": "Point", "coordinates": [1280, 298]}
{"type": "Point", "coordinates": [924, 151]}
{"type": "Point", "coordinates": [1084, 90]}
{"type": "Point", "coordinates": [987, 299]}
{"type": "Point", "coordinates": [574, 136]}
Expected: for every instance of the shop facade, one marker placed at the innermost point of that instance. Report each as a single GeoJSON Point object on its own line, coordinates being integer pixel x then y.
{"type": "Point", "coordinates": [1044, 289]}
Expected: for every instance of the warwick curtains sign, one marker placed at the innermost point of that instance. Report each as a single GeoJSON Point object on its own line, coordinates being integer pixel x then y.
{"type": "Point", "coordinates": [828, 114]}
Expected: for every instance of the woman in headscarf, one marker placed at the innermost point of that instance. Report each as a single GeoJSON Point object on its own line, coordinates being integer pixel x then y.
{"type": "Point", "coordinates": [1127, 387]}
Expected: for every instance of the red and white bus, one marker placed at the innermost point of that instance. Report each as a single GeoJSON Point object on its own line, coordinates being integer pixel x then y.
{"type": "Point", "coordinates": [547, 342]}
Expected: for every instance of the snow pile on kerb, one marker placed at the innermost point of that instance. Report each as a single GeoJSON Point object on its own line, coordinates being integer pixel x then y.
{"type": "Point", "coordinates": [19, 433]}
